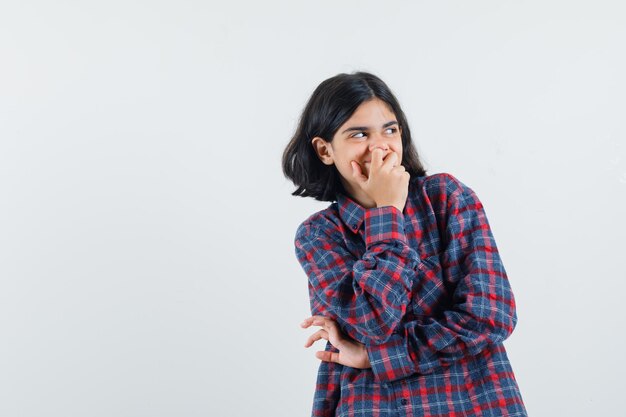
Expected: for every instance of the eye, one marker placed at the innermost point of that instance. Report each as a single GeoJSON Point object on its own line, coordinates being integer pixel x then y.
{"type": "Point", "coordinates": [391, 130]}
{"type": "Point", "coordinates": [358, 135]}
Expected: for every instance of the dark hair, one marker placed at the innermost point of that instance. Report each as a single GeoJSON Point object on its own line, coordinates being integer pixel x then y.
{"type": "Point", "coordinates": [330, 105]}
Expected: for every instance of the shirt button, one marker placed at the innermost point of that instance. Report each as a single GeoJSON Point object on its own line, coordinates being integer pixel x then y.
{"type": "Point", "coordinates": [404, 401]}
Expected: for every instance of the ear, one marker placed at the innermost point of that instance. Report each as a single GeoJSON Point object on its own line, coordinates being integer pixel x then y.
{"type": "Point", "coordinates": [323, 150]}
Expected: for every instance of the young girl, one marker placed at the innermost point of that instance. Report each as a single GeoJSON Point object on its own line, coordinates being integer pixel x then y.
{"type": "Point", "coordinates": [404, 276]}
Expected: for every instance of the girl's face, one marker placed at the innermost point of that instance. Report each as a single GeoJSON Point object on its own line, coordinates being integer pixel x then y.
{"type": "Point", "coordinates": [373, 125]}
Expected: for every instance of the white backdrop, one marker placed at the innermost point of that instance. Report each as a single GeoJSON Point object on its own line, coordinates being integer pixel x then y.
{"type": "Point", "coordinates": [147, 265]}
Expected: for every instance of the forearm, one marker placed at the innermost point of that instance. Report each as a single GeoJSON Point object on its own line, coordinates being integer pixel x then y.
{"type": "Point", "coordinates": [367, 296]}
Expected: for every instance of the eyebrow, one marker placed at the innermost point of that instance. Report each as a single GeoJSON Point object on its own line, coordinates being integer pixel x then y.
{"type": "Point", "coordinates": [359, 128]}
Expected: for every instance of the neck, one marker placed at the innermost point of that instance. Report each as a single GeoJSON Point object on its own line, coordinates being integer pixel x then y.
{"type": "Point", "coordinates": [358, 195]}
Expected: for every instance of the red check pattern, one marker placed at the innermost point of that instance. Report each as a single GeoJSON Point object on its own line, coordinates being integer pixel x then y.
{"type": "Point", "coordinates": [426, 291]}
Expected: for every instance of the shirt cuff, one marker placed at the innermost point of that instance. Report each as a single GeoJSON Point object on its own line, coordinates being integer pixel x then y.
{"type": "Point", "coordinates": [384, 223]}
{"type": "Point", "coordinates": [390, 360]}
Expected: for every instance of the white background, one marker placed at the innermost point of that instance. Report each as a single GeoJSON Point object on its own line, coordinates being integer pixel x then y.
{"type": "Point", "coordinates": [147, 265]}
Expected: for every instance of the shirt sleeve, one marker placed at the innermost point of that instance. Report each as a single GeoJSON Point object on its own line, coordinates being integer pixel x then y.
{"type": "Point", "coordinates": [366, 296]}
{"type": "Point", "coordinates": [483, 306]}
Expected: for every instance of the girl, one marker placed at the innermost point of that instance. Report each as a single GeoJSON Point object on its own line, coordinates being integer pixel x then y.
{"type": "Point", "coordinates": [404, 276]}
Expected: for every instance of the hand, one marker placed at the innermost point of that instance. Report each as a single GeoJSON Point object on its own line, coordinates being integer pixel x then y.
{"type": "Point", "coordinates": [388, 181]}
{"type": "Point", "coordinates": [351, 353]}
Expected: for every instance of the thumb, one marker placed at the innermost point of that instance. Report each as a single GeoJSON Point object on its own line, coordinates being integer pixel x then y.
{"type": "Point", "coordinates": [327, 356]}
{"type": "Point", "coordinates": [357, 174]}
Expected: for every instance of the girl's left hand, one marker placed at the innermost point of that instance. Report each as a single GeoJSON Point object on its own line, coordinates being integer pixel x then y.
{"type": "Point", "coordinates": [351, 353]}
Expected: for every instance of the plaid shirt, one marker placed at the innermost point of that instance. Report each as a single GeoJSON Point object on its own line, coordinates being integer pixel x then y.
{"type": "Point", "coordinates": [426, 292]}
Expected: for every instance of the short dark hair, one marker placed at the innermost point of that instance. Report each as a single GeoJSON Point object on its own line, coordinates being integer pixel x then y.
{"type": "Point", "coordinates": [330, 105]}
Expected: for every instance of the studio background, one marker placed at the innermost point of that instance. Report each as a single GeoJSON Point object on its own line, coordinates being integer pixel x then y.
{"type": "Point", "coordinates": [147, 265]}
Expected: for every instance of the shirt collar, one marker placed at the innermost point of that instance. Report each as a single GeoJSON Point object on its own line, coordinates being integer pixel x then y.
{"type": "Point", "coordinates": [351, 212]}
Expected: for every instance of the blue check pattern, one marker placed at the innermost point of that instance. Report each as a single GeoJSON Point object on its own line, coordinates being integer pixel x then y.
{"type": "Point", "coordinates": [426, 292]}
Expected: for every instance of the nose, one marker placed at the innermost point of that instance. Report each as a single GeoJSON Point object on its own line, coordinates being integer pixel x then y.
{"type": "Point", "coordinates": [378, 141]}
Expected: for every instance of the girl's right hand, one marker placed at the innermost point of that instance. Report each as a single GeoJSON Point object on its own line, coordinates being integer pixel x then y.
{"type": "Point", "coordinates": [351, 353]}
{"type": "Point", "coordinates": [388, 182]}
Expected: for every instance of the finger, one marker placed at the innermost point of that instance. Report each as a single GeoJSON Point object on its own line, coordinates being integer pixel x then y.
{"type": "Point", "coordinates": [309, 321]}
{"type": "Point", "coordinates": [323, 322]}
{"type": "Point", "coordinates": [315, 321]}
{"type": "Point", "coordinates": [328, 324]}
{"type": "Point", "coordinates": [320, 334]}
{"type": "Point", "coordinates": [333, 331]}
{"type": "Point", "coordinates": [377, 158]}
{"type": "Point", "coordinates": [327, 356]}
{"type": "Point", "coordinates": [357, 173]}
{"type": "Point", "coordinates": [391, 160]}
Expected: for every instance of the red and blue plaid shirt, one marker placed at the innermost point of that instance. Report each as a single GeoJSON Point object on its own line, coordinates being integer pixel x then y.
{"type": "Point", "coordinates": [426, 292]}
